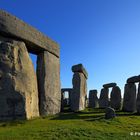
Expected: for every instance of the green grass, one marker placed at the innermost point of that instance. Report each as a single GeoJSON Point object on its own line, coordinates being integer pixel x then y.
{"type": "Point", "coordinates": [86, 125]}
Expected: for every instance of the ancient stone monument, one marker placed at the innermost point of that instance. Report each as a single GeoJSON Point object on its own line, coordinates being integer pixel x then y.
{"type": "Point", "coordinates": [22, 93]}
{"type": "Point", "coordinates": [138, 99]}
{"type": "Point", "coordinates": [63, 90]}
{"type": "Point", "coordinates": [93, 99]}
{"type": "Point", "coordinates": [129, 101]}
{"type": "Point", "coordinates": [115, 100]}
{"type": "Point", "coordinates": [79, 87]}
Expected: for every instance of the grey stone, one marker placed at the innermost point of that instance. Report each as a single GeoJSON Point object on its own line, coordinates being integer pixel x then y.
{"type": "Point", "coordinates": [80, 68]}
{"type": "Point", "coordinates": [129, 101]}
{"type": "Point", "coordinates": [104, 99]}
{"type": "Point", "coordinates": [18, 82]}
{"type": "Point", "coordinates": [93, 99]}
{"type": "Point", "coordinates": [11, 26]}
{"type": "Point", "coordinates": [48, 74]}
{"type": "Point", "coordinates": [115, 100]}
{"type": "Point", "coordinates": [79, 92]}
{"type": "Point", "coordinates": [133, 79]}
{"type": "Point", "coordinates": [109, 113]}
{"type": "Point", "coordinates": [138, 100]}
{"type": "Point", "coordinates": [109, 85]}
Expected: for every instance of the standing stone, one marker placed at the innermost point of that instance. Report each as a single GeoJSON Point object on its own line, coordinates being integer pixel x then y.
{"type": "Point", "coordinates": [109, 113]}
{"type": "Point", "coordinates": [138, 99]}
{"type": "Point", "coordinates": [129, 101]}
{"type": "Point", "coordinates": [104, 100]}
{"type": "Point", "coordinates": [79, 92]}
{"type": "Point", "coordinates": [18, 83]}
{"type": "Point", "coordinates": [93, 99]}
{"type": "Point", "coordinates": [62, 100]}
{"type": "Point", "coordinates": [115, 100]}
{"type": "Point", "coordinates": [48, 74]}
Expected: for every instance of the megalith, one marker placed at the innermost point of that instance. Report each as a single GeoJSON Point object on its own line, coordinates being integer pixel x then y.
{"type": "Point", "coordinates": [104, 99]}
{"type": "Point", "coordinates": [18, 82]}
{"type": "Point", "coordinates": [129, 101]}
{"type": "Point", "coordinates": [48, 75]}
{"type": "Point", "coordinates": [79, 91]}
{"type": "Point", "coordinates": [115, 99]}
{"type": "Point", "coordinates": [138, 99]}
{"type": "Point", "coordinates": [93, 99]}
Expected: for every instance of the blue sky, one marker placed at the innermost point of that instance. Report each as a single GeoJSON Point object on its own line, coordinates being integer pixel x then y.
{"type": "Point", "coordinates": [103, 35]}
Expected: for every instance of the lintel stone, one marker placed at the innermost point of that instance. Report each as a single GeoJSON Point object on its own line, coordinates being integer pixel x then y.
{"type": "Point", "coordinates": [133, 79]}
{"type": "Point", "coordinates": [36, 42]}
{"type": "Point", "coordinates": [80, 68]}
{"type": "Point", "coordinates": [109, 85]}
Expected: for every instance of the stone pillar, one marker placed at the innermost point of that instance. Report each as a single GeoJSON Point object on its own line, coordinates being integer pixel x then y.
{"type": "Point", "coordinates": [93, 99]}
{"type": "Point", "coordinates": [115, 100]}
{"type": "Point", "coordinates": [18, 82]}
{"type": "Point", "coordinates": [104, 100]}
{"type": "Point", "coordinates": [48, 74]}
{"type": "Point", "coordinates": [62, 100]}
{"type": "Point", "coordinates": [138, 99]}
{"type": "Point", "coordinates": [79, 88]}
{"type": "Point", "coordinates": [129, 101]}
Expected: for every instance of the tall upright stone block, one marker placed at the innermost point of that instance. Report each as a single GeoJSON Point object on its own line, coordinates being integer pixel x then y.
{"type": "Point", "coordinates": [104, 99]}
{"type": "Point", "coordinates": [79, 92]}
{"type": "Point", "coordinates": [129, 101]}
{"type": "Point", "coordinates": [115, 100]}
{"type": "Point", "coordinates": [48, 74]}
{"type": "Point", "coordinates": [138, 99]}
{"type": "Point", "coordinates": [18, 83]}
{"type": "Point", "coordinates": [93, 99]}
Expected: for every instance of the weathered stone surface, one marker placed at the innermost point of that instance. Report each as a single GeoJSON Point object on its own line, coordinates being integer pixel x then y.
{"type": "Point", "coordinates": [109, 85]}
{"type": "Point", "coordinates": [129, 101]}
{"type": "Point", "coordinates": [115, 100]}
{"type": "Point", "coordinates": [48, 74]}
{"type": "Point", "coordinates": [109, 113]}
{"type": "Point", "coordinates": [138, 99]}
{"type": "Point", "coordinates": [104, 99]}
{"type": "Point", "coordinates": [11, 26]}
{"type": "Point", "coordinates": [80, 68]}
{"type": "Point", "coordinates": [133, 79]}
{"type": "Point", "coordinates": [78, 96]}
{"type": "Point", "coordinates": [18, 83]}
{"type": "Point", "coordinates": [93, 99]}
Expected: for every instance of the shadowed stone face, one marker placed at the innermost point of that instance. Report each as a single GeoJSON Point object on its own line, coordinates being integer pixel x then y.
{"type": "Point", "coordinates": [115, 100]}
{"type": "Point", "coordinates": [129, 102]}
{"type": "Point", "coordinates": [109, 85]}
{"type": "Point", "coordinates": [133, 79]}
{"type": "Point", "coordinates": [18, 83]}
{"type": "Point", "coordinates": [93, 99]}
{"type": "Point", "coordinates": [48, 73]}
{"type": "Point", "coordinates": [138, 100]}
{"type": "Point", "coordinates": [104, 100]}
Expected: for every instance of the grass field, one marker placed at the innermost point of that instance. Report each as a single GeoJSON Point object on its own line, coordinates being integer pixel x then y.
{"type": "Point", "coordinates": [86, 125]}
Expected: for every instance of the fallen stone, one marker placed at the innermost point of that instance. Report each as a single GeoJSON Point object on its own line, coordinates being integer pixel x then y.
{"type": "Point", "coordinates": [109, 113]}
{"type": "Point", "coordinates": [18, 82]}
{"type": "Point", "coordinates": [80, 68]}
{"type": "Point", "coordinates": [109, 85]}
